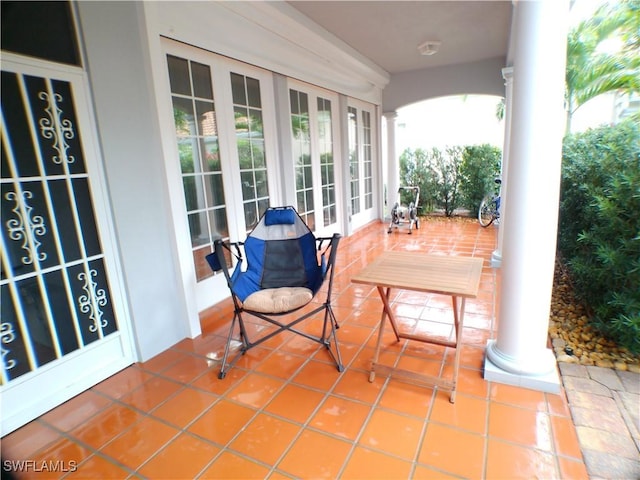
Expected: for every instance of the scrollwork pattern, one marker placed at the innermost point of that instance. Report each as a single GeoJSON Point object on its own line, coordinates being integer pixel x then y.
{"type": "Point", "coordinates": [48, 127]}
{"type": "Point", "coordinates": [92, 300]}
{"type": "Point", "coordinates": [17, 227]}
{"type": "Point", "coordinates": [7, 336]}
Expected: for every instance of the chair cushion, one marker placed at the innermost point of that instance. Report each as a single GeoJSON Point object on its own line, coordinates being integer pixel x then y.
{"type": "Point", "coordinates": [278, 300]}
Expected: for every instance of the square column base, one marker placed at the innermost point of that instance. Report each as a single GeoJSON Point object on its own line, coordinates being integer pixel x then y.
{"type": "Point", "coordinates": [550, 382]}
{"type": "Point", "coordinates": [496, 259]}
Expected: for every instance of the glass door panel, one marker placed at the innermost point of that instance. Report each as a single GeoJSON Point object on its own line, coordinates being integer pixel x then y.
{"type": "Point", "coordinates": [223, 124]}
{"type": "Point", "coordinates": [196, 131]}
{"type": "Point", "coordinates": [250, 144]}
{"type": "Point", "coordinates": [327, 165]}
{"type": "Point", "coordinates": [362, 137]}
{"type": "Point", "coordinates": [301, 134]}
{"type": "Point", "coordinates": [312, 133]}
{"type": "Point", "coordinates": [367, 160]}
{"type": "Point", "coordinates": [354, 159]}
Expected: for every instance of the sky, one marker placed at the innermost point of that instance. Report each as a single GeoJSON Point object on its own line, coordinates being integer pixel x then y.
{"type": "Point", "coordinates": [471, 119]}
{"type": "Point", "coordinates": [449, 121]}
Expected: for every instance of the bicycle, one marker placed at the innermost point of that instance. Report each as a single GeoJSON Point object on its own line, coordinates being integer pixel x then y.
{"type": "Point", "coordinates": [489, 210]}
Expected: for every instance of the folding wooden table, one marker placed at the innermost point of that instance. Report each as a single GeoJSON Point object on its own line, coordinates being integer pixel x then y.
{"type": "Point", "coordinates": [458, 277]}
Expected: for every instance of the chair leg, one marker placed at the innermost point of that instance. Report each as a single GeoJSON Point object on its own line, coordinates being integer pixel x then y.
{"type": "Point", "coordinates": [224, 368]}
{"type": "Point", "coordinates": [330, 318]}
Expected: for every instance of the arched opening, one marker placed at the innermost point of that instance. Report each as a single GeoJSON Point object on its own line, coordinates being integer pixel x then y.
{"type": "Point", "coordinates": [438, 141]}
{"type": "Point", "coordinates": [449, 121]}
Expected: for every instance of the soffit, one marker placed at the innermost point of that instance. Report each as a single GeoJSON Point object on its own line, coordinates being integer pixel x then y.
{"type": "Point", "coordinates": [388, 32]}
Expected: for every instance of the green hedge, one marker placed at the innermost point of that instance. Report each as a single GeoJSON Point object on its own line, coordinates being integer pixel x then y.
{"type": "Point", "coordinates": [453, 178]}
{"type": "Point", "coordinates": [599, 228]}
{"type": "Point", "coordinates": [480, 167]}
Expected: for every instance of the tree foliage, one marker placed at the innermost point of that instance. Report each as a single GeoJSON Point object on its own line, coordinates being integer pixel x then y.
{"type": "Point", "coordinates": [415, 170]}
{"type": "Point", "coordinates": [451, 178]}
{"type": "Point", "coordinates": [592, 71]}
{"type": "Point", "coordinates": [480, 166]}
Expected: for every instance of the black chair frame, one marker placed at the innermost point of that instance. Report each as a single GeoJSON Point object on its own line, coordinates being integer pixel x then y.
{"type": "Point", "coordinates": [330, 324]}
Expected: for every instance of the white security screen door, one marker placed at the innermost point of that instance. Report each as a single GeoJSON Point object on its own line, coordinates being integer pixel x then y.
{"type": "Point", "coordinates": [63, 327]}
{"type": "Point", "coordinates": [223, 118]}
{"type": "Point", "coordinates": [313, 133]}
{"type": "Point", "coordinates": [362, 134]}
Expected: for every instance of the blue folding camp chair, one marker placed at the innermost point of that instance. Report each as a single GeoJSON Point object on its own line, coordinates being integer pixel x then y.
{"type": "Point", "coordinates": [285, 267]}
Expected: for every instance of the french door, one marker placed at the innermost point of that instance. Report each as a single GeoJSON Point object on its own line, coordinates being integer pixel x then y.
{"type": "Point", "coordinates": [361, 125]}
{"type": "Point", "coordinates": [314, 133]}
{"type": "Point", "coordinates": [63, 327]}
{"type": "Point", "coordinates": [223, 114]}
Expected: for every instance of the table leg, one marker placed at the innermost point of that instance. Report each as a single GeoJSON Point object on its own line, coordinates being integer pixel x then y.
{"type": "Point", "coordinates": [386, 311]}
{"type": "Point", "coordinates": [458, 319]}
{"type": "Point", "coordinates": [384, 295]}
{"type": "Point", "coordinates": [456, 314]}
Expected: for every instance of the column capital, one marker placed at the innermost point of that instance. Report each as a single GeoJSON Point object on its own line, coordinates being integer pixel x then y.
{"type": "Point", "coordinates": [507, 74]}
{"type": "Point", "coordinates": [390, 115]}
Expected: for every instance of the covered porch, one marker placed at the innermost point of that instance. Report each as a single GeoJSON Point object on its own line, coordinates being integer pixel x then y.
{"type": "Point", "coordinates": [285, 412]}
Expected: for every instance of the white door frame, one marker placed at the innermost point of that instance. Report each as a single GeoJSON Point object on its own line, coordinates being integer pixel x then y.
{"type": "Point", "coordinates": [365, 215]}
{"type": "Point", "coordinates": [212, 290]}
{"type": "Point", "coordinates": [313, 94]}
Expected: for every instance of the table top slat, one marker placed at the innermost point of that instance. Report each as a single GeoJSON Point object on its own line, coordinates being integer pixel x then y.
{"type": "Point", "coordinates": [445, 274]}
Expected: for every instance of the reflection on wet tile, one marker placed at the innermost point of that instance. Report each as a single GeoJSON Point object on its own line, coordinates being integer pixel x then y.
{"type": "Point", "coordinates": [340, 417]}
{"type": "Point", "coordinates": [284, 411]}
{"type": "Point", "coordinates": [266, 438]}
{"type": "Point", "coordinates": [138, 443]}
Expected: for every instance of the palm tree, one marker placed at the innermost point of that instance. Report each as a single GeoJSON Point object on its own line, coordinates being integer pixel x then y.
{"type": "Point", "coordinates": [500, 109]}
{"type": "Point", "coordinates": [591, 72]}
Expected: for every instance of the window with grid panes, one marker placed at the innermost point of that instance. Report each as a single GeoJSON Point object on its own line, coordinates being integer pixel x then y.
{"type": "Point", "coordinates": [301, 145]}
{"type": "Point", "coordinates": [354, 161]}
{"type": "Point", "coordinates": [367, 160]}
{"type": "Point", "coordinates": [327, 175]}
{"type": "Point", "coordinates": [199, 156]}
{"type": "Point", "coordinates": [247, 107]}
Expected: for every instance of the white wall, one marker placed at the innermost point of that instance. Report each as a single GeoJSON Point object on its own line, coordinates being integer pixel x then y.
{"type": "Point", "coordinates": [482, 78]}
{"type": "Point", "coordinates": [119, 73]}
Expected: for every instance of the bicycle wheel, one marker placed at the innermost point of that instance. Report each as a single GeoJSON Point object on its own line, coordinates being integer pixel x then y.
{"type": "Point", "coordinates": [487, 211]}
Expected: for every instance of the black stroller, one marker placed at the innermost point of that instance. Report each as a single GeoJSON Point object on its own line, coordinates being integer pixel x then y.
{"type": "Point", "coordinates": [403, 216]}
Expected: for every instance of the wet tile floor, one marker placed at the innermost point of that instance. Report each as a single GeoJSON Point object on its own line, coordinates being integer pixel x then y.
{"type": "Point", "coordinates": [285, 411]}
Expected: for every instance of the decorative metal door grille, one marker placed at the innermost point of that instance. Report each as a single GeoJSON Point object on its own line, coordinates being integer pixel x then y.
{"type": "Point", "coordinates": [54, 286]}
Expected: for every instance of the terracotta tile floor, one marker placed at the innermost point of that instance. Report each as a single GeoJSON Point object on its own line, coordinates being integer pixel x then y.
{"type": "Point", "coordinates": [285, 412]}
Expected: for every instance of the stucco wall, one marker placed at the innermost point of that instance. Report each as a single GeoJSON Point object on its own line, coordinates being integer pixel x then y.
{"type": "Point", "coordinates": [119, 76]}
{"type": "Point", "coordinates": [482, 78]}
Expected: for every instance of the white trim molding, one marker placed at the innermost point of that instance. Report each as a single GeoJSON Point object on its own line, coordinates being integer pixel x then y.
{"type": "Point", "coordinates": [274, 36]}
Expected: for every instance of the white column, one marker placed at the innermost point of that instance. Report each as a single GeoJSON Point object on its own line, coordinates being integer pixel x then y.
{"type": "Point", "coordinates": [519, 355]}
{"type": "Point", "coordinates": [507, 74]}
{"type": "Point", "coordinates": [393, 166]}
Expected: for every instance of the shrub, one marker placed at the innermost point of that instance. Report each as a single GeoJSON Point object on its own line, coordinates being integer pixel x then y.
{"type": "Point", "coordinates": [447, 170]}
{"type": "Point", "coordinates": [415, 170]}
{"type": "Point", "coordinates": [599, 229]}
{"type": "Point", "coordinates": [437, 175]}
{"type": "Point", "coordinates": [480, 166]}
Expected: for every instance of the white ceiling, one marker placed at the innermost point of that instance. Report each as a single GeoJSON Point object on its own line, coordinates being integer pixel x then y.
{"type": "Point", "coordinates": [389, 32]}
